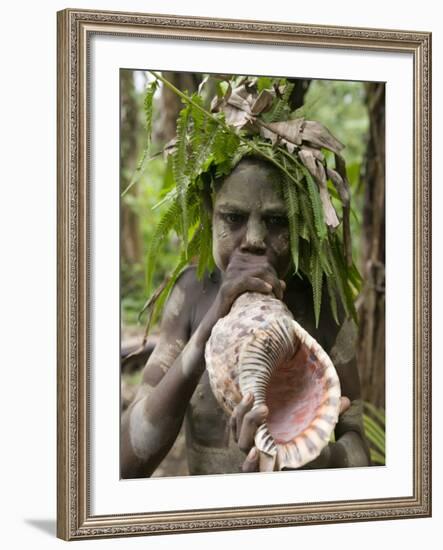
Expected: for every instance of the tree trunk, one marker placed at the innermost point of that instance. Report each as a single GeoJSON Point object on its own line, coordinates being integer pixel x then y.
{"type": "Point", "coordinates": [130, 233]}
{"type": "Point", "coordinates": [297, 97]}
{"type": "Point", "coordinates": [371, 347]}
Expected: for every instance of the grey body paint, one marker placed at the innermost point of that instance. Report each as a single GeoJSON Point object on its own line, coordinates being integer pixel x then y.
{"type": "Point", "coordinates": [251, 191]}
{"type": "Point", "coordinates": [176, 301]}
{"type": "Point", "coordinates": [144, 436]}
{"type": "Point", "coordinates": [166, 356]}
{"type": "Point", "coordinates": [354, 454]}
{"type": "Point", "coordinates": [352, 419]}
{"type": "Point", "coordinates": [191, 354]}
{"type": "Point", "coordinates": [343, 350]}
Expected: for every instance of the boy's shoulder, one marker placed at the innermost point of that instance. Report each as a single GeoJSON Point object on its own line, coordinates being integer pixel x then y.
{"type": "Point", "coordinates": [191, 288]}
{"type": "Point", "coordinates": [189, 280]}
{"type": "Point", "coordinates": [197, 294]}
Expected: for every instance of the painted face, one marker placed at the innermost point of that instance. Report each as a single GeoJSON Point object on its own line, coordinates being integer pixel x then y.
{"type": "Point", "coordinates": [250, 215]}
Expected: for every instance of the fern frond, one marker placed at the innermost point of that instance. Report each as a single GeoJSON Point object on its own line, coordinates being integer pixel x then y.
{"type": "Point", "coordinates": [317, 284]}
{"type": "Point", "coordinates": [354, 277]}
{"type": "Point", "coordinates": [226, 145]}
{"type": "Point", "coordinates": [317, 208]}
{"type": "Point", "coordinates": [281, 105]}
{"type": "Point", "coordinates": [167, 222]}
{"type": "Point", "coordinates": [205, 258]}
{"type": "Point", "coordinates": [179, 166]}
{"type": "Point", "coordinates": [203, 151]}
{"type": "Point", "coordinates": [290, 196]}
{"type": "Point", "coordinates": [197, 136]}
{"type": "Point", "coordinates": [341, 263]}
{"type": "Point", "coordinates": [308, 219]}
{"type": "Point", "coordinates": [332, 299]}
{"type": "Point", "coordinates": [148, 104]}
{"type": "Point", "coordinates": [340, 280]}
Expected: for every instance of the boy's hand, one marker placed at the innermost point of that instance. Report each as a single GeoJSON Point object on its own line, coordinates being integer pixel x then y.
{"type": "Point", "coordinates": [245, 422]}
{"type": "Point", "coordinates": [248, 273]}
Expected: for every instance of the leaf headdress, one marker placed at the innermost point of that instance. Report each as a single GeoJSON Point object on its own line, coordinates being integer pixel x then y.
{"type": "Point", "coordinates": [251, 117]}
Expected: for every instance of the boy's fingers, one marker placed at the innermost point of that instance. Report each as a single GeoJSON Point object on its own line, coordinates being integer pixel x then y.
{"type": "Point", "coordinates": [240, 410]}
{"type": "Point", "coordinates": [345, 403]}
{"type": "Point", "coordinates": [251, 462]}
{"type": "Point", "coordinates": [251, 421]}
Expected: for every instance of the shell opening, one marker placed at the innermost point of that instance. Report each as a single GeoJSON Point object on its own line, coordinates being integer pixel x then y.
{"type": "Point", "coordinates": [291, 397]}
{"type": "Point", "coordinates": [285, 368]}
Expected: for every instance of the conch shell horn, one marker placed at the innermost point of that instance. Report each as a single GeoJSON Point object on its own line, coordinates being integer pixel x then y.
{"type": "Point", "coordinates": [259, 348]}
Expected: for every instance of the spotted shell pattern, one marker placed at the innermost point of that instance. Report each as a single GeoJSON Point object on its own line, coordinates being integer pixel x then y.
{"type": "Point", "coordinates": [259, 348]}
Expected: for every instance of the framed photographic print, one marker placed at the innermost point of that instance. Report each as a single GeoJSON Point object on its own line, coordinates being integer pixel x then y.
{"type": "Point", "coordinates": [244, 274]}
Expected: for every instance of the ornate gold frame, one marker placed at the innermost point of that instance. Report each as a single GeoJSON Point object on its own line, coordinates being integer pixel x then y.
{"type": "Point", "coordinates": [74, 30]}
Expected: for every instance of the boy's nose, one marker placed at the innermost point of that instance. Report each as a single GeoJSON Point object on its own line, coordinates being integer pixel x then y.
{"type": "Point", "coordinates": [254, 239]}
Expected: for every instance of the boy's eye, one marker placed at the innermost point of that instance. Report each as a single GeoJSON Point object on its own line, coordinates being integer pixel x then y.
{"type": "Point", "coordinates": [233, 218]}
{"type": "Point", "coordinates": [277, 221]}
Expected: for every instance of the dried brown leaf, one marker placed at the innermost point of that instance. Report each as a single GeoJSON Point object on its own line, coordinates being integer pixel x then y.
{"type": "Point", "coordinates": [239, 102]}
{"type": "Point", "coordinates": [289, 130]}
{"type": "Point", "coordinates": [319, 136]}
{"type": "Point", "coordinates": [339, 184]}
{"type": "Point", "coordinates": [235, 117]}
{"type": "Point", "coordinates": [318, 155]}
{"type": "Point", "coordinates": [262, 103]}
{"type": "Point", "coordinates": [317, 170]}
{"type": "Point", "coordinates": [308, 160]}
{"type": "Point", "coordinates": [329, 212]}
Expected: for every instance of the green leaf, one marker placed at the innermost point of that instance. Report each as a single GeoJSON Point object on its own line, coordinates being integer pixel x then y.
{"type": "Point", "coordinates": [221, 88]}
{"type": "Point", "coordinates": [340, 276]}
{"type": "Point", "coordinates": [205, 259]}
{"type": "Point", "coordinates": [332, 299]}
{"type": "Point", "coordinates": [148, 103]}
{"type": "Point", "coordinates": [374, 433]}
{"type": "Point", "coordinates": [264, 83]}
{"type": "Point", "coordinates": [377, 458]}
{"type": "Point", "coordinates": [280, 110]}
{"type": "Point", "coordinates": [374, 425]}
{"type": "Point", "coordinates": [317, 284]}
{"type": "Point", "coordinates": [317, 209]}
{"type": "Point", "coordinates": [290, 196]}
{"type": "Point", "coordinates": [179, 166]}
{"type": "Point", "coordinates": [167, 222]}
{"type": "Point", "coordinates": [379, 414]}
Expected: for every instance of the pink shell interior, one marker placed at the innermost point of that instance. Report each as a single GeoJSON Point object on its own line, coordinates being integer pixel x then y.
{"type": "Point", "coordinates": [293, 397]}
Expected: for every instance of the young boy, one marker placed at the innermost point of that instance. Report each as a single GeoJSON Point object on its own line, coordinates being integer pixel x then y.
{"type": "Point", "coordinates": [252, 253]}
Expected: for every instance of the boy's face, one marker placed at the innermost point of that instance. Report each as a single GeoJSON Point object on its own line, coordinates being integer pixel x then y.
{"type": "Point", "coordinates": [250, 215]}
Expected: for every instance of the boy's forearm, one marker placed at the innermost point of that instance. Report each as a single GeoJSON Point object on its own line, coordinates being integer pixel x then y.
{"type": "Point", "coordinates": [152, 424]}
{"type": "Point", "coordinates": [350, 451]}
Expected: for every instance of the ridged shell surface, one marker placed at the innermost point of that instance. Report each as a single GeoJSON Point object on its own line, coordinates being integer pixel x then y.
{"type": "Point", "coordinates": [259, 348]}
